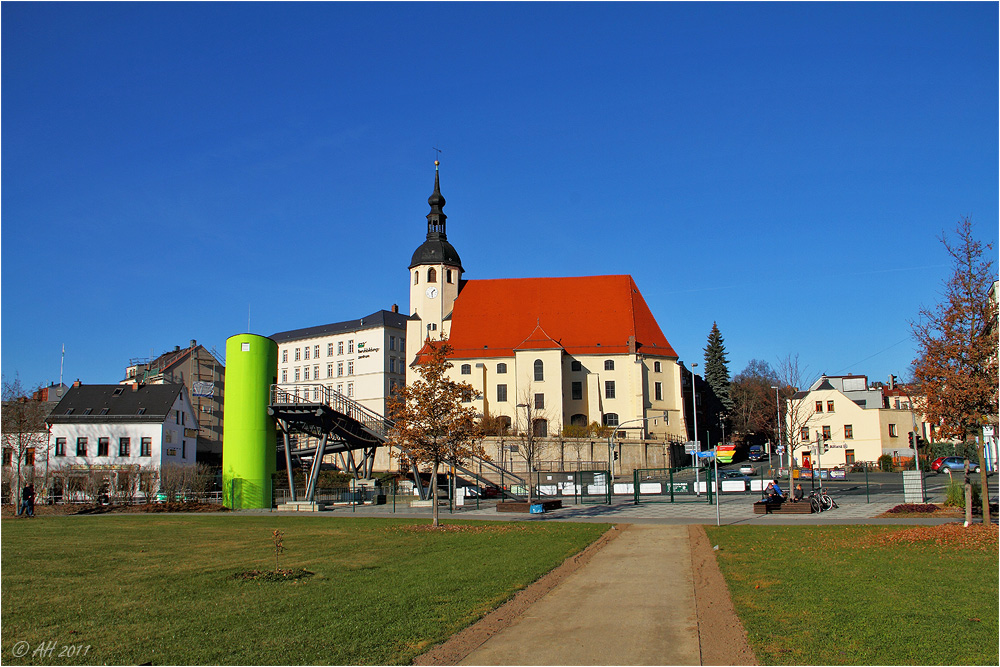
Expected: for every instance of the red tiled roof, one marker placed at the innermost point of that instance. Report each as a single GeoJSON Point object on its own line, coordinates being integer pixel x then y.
{"type": "Point", "coordinates": [586, 315]}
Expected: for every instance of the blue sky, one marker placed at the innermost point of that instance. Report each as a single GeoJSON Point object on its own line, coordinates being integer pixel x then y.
{"type": "Point", "coordinates": [782, 169]}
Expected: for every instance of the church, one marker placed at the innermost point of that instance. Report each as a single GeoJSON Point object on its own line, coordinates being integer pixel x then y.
{"type": "Point", "coordinates": [578, 351]}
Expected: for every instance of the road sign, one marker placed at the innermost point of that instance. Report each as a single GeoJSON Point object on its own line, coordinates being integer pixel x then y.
{"type": "Point", "coordinates": [706, 455]}
{"type": "Point", "coordinates": [780, 449]}
{"type": "Point", "coordinates": [690, 447]}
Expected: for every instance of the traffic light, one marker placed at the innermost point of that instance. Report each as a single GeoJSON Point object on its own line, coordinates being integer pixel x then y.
{"type": "Point", "coordinates": [616, 456]}
{"type": "Point", "coordinates": [910, 434]}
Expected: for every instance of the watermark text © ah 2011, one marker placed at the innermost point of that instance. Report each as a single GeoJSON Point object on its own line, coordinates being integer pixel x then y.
{"type": "Point", "coordinates": [49, 650]}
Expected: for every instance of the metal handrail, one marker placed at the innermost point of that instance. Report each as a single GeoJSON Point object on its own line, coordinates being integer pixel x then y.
{"type": "Point", "coordinates": [319, 394]}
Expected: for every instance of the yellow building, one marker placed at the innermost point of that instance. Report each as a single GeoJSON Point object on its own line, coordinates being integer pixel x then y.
{"type": "Point", "coordinates": [858, 421]}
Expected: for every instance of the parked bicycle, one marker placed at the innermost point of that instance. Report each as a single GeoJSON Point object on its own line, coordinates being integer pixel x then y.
{"type": "Point", "coordinates": [821, 501]}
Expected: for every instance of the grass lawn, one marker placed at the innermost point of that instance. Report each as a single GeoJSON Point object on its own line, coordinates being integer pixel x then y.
{"type": "Point", "coordinates": [878, 595]}
{"type": "Point", "coordinates": [159, 589]}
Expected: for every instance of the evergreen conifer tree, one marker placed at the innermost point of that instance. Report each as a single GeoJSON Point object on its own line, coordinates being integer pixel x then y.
{"type": "Point", "coordinates": [717, 368]}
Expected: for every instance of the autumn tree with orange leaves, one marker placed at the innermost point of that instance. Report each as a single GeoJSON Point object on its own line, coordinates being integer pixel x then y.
{"type": "Point", "coordinates": [956, 366]}
{"type": "Point", "coordinates": [431, 425]}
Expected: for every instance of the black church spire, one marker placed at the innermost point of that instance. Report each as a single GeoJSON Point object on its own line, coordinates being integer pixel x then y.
{"type": "Point", "coordinates": [436, 249]}
{"type": "Point", "coordinates": [436, 218]}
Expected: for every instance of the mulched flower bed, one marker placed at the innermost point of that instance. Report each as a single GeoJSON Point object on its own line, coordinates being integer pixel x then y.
{"type": "Point", "coordinates": [271, 575]}
{"type": "Point", "coordinates": [922, 510]}
{"type": "Point", "coordinates": [458, 528]}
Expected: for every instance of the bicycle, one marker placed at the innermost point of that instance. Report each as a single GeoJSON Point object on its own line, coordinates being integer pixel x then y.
{"type": "Point", "coordinates": [821, 501]}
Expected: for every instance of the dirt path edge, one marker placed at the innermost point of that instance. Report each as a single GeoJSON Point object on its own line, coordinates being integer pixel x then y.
{"type": "Point", "coordinates": [721, 635]}
{"type": "Point", "coordinates": [459, 645]}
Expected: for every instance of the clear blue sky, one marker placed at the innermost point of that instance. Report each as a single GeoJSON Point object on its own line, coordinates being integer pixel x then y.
{"type": "Point", "coordinates": [782, 169]}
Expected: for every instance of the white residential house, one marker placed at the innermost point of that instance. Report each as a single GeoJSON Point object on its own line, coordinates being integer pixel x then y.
{"type": "Point", "coordinates": [113, 427]}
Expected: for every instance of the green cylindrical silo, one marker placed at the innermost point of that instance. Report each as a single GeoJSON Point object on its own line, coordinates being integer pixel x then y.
{"type": "Point", "coordinates": [248, 432]}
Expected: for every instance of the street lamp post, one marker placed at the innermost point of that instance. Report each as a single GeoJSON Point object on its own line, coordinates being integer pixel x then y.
{"type": "Point", "coordinates": [777, 408]}
{"type": "Point", "coordinates": [694, 412]}
{"type": "Point", "coordinates": [611, 465]}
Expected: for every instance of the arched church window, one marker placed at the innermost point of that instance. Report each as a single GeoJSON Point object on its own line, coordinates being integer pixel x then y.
{"type": "Point", "coordinates": [540, 428]}
{"type": "Point", "coordinates": [448, 274]}
{"type": "Point", "coordinates": [611, 419]}
{"type": "Point", "coordinates": [432, 276]}
{"type": "Point", "coordinates": [416, 277]}
{"type": "Point", "coordinates": [609, 364]}
{"type": "Point", "coordinates": [501, 369]}
{"type": "Point", "coordinates": [466, 369]}
{"type": "Point", "coordinates": [539, 370]}
{"type": "Point", "coordinates": [578, 420]}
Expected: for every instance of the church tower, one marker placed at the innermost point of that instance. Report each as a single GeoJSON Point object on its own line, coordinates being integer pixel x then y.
{"type": "Point", "coordinates": [435, 275]}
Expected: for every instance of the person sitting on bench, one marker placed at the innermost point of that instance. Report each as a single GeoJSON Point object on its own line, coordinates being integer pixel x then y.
{"type": "Point", "coordinates": [797, 493]}
{"type": "Point", "coordinates": [774, 494]}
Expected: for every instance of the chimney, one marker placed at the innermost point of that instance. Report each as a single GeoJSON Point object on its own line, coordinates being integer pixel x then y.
{"type": "Point", "coordinates": [135, 386]}
{"type": "Point", "coordinates": [77, 383]}
{"type": "Point", "coordinates": [395, 307]}
{"type": "Point", "coordinates": [177, 348]}
{"type": "Point", "coordinates": [892, 382]}
{"type": "Point", "coordinates": [631, 345]}
{"type": "Point", "coordinates": [194, 343]}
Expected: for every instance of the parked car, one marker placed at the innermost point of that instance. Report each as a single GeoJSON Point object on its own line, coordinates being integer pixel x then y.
{"type": "Point", "coordinates": [955, 464]}
{"type": "Point", "coordinates": [733, 474]}
{"type": "Point", "coordinates": [747, 469]}
{"type": "Point", "coordinates": [937, 462]}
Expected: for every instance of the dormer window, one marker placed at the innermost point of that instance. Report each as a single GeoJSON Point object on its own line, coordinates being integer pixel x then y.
{"type": "Point", "coordinates": [118, 391]}
{"type": "Point", "coordinates": [88, 411]}
{"type": "Point", "coordinates": [141, 411]}
{"type": "Point", "coordinates": [104, 411]}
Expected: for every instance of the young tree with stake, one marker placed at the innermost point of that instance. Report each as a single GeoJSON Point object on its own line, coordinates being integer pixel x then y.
{"type": "Point", "coordinates": [956, 366]}
{"type": "Point", "coordinates": [431, 424]}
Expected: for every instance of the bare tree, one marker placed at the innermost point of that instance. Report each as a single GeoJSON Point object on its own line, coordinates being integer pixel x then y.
{"type": "Point", "coordinates": [531, 434]}
{"type": "Point", "coordinates": [795, 414]}
{"type": "Point", "coordinates": [126, 485]}
{"type": "Point", "coordinates": [149, 482]}
{"type": "Point", "coordinates": [25, 435]}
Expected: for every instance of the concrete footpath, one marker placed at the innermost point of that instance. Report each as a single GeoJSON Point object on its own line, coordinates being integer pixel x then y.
{"type": "Point", "coordinates": [632, 604]}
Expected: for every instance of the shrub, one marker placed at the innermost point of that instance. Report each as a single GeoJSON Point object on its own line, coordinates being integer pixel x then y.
{"type": "Point", "coordinates": [956, 494]}
{"type": "Point", "coordinates": [885, 463]}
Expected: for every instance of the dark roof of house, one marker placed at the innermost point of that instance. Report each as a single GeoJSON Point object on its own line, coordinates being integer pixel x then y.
{"type": "Point", "coordinates": [115, 403]}
{"type": "Point", "coordinates": [380, 318]}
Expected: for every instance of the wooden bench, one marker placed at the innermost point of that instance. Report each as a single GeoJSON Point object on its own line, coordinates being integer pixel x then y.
{"type": "Point", "coordinates": [786, 507]}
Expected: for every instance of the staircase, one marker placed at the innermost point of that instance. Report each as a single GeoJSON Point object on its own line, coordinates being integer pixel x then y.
{"type": "Point", "coordinates": [344, 427]}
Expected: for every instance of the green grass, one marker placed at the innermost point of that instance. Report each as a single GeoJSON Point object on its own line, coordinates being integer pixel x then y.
{"type": "Point", "coordinates": [834, 595]}
{"type": "Point", "coordinates": [158, 589]}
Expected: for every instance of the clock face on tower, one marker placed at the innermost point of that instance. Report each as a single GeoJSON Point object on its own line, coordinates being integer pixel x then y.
{"type": "Point", "coordinates": [431, 292]}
